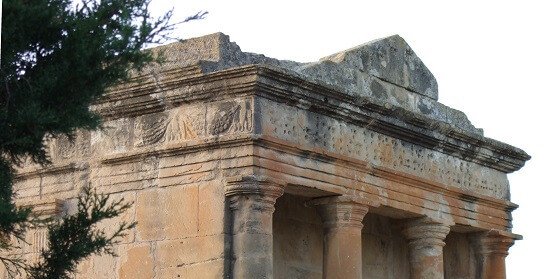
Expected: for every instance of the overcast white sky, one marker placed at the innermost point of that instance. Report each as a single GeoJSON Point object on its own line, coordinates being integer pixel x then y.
{"type": "Point", "coordinates": [491, 60]}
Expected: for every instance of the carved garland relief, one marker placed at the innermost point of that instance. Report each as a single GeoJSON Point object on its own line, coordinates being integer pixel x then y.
{"type": "Point", "coordinates": [187, 123]}
{"type": "Point", "coordinates": [232, 117]}
{"type": "Point", "coordinates": [163, 128]}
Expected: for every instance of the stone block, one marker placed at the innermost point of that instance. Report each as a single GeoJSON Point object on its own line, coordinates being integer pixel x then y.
{"type": "Point", "coordinates": [138, 263]}
{"type": "Point", "coordinates": [103, 266]}
{"type": "Point", "coordinates": [83, 269]}
{"type": "Point", "coordinates": [167, 213]}
{"type": "Point", "coordinates": [149, 215]}
{"type": "Point", "coordinates": [390, 59]}
{"type": "Point", "coordinates": [213, 269]}
{"type": "Point", "coordinates": [213, 215]}
{"type": "Point", "coordinates": [188, 251]}
{"type": "Point", "coordinates": [181, 210]}
{"type": "Point", "coordinates": [129, 216]}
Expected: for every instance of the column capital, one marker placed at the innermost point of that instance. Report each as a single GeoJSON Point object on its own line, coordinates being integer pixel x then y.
{"type": "Point", "coordinates": [491, 249]}
{"type": "Point", "coordinates": [254, 184]}
{"type": "Point", "coordinates": [426, 238]}
{"type": "Point", "coordinates": [426, 231]}
{"type": "Point", "coordinates": [493, 242]}
{"type": "Point", "coordinates": [342, 211]}
{"type": "Point", "coordinates": [342, 218]}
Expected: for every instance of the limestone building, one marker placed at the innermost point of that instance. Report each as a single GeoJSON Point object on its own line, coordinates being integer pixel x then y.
{"type": "Point", "coordinates": [243, 166]}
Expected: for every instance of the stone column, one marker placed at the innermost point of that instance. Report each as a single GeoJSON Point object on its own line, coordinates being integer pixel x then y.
{"type": "Point", "coordinates": [491, 249]}
{"type": "Point", "coordinates": [252, 201]}
{"type": "Point", "coordinates": [342, 222]}
{"type": "Point", "coordinates": [426, 239]}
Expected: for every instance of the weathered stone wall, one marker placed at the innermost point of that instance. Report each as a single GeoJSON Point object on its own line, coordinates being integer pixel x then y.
{"type": "Point", "coordinates": [177, 201]}
{"type": "Point", "coordinates": [459, 257]}
{"type": "Point", "coordinates": [180, 234]}
{"type": "Point", "coordinates": [385, 254]}
{"type": "Point", "coordinates": [297, 240]}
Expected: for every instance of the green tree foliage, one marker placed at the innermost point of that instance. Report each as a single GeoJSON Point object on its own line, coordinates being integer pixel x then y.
{"type": "Point", "coordinates": [75, 237]}
{"type": "Point", "coordinates": [58, 57]}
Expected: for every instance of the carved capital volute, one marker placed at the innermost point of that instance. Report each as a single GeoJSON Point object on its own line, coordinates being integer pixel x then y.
{"type": "Point", "coordinates": [342, 211]}
{"type": "Point", "coordinates": [261, 190]}
{"type": "Point", "coordinates": [426, 232]}
{"type": "Point", "coordinates": [493, 243]}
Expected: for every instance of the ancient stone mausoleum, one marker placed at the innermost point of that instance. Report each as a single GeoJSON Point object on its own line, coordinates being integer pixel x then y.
{"type": "Point", "coordinates": [243, 166]}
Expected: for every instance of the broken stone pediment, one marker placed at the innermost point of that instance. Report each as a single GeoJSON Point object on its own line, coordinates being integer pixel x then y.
{"type": "Point", "coordinates": [389, 60]}
{"type": "Point", "coordinates": [214, 52]}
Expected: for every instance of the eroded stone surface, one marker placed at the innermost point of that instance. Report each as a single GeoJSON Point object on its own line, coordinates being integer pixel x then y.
{"type": "Point", "coordinates": [214, 52]}
{"type": "Point", "coordinates": [391, 60]}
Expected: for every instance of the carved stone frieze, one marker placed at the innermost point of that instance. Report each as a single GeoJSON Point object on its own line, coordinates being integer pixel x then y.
{"type": "Point", "coordinates": [178, 124]}
{"type": "Point", "coordinates": [113, 137]}
{"type": "Point", "coordinates": [231, 117]}
{"type": "Point", "coordinates": [62, 148]}
{"type": "Point", "coordinates": [150, 129]}
{"type": "Point", "coordinates": [179, 128]}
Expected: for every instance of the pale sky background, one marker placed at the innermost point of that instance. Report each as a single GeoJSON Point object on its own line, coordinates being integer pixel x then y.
{"type": "Point", "coordinates": [491, 60]}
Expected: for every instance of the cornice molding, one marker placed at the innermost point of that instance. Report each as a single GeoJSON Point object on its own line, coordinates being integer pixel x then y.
{"type": "Point", "coordinates": [235, 140]}
{"type": "Point", "coordinates": [293, 89]}
{"type": "Point", "coordinates": [419, 182]}
{"type": "Point", "coordinates": [179, 148]}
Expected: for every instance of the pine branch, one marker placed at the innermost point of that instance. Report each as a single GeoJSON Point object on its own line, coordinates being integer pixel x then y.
{"type": "Point", "coordinates": [57, 59]}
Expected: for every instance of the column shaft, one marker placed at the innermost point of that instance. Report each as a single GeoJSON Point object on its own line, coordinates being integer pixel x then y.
{"type": "Point", "coordinates": [342, 221]}
{"type": "Point", "coordinates": [252, 201]}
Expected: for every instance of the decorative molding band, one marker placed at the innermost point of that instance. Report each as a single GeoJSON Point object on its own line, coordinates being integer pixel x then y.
{"type": "Point", "coordinates": [133, 101]}
{"type": "Point", "coordinates": [273, 83]}
{"type": "Point", "coordinates": [385, 173]}
{"type": "Point", "coordinates": [44, 208]}
{"type": "Point", "coordinates": [52, 170]}
{"type": "Point", "coordinates": [419, 182]}
{"type": "Point", "coordinates": [179, 148]}
{"type": "Point", "coordinates": [228, 141]}
{"type": "Point", "coordinates": [253, 184]}
{"type": "Point", "coordinates": [343, 200]}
